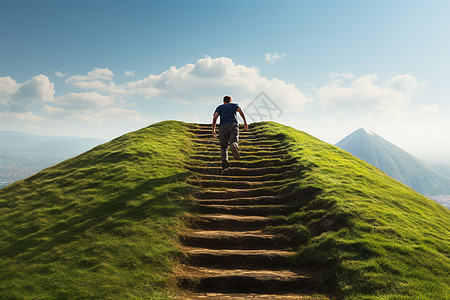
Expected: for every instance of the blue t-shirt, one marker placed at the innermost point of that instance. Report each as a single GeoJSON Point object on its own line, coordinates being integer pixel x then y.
{"type": "Point", "coordinates": [227, 113]}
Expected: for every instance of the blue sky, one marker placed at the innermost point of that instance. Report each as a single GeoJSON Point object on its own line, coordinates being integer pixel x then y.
{"type": "Point", "coordinates": [103, 68]}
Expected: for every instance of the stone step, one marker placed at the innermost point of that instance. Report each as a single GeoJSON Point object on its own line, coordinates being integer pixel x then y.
{"type": "Point", "coordinates": [243, 163]}
{"type": "Point", "coordinates": [244, 144]}
{"type": "Point", "coordinates": [234, 193]}
{"type": "Point", "coordinates": [234, 184]}
{"type": "Point", "coordinates": [249, 158]}
{"type": "Point", "coordinates": [206, 127]}
{"type": "Point", "coordinates": [243, 280]}
{"type": "Point", "coordinates": [207, 134]}
{"type": "Point", "coordinates": [240, 171]}
{"type": "Point", "coordinates": [229, 184]}
{"type": "Point", "coordinates": [215, 156]}
{"type": "Point", "coordinates": [243, 136]}
{"type": "Point", "coordinates": [246, 141]}
{"type": "Point", "coordinates": [208, 130]}
{"type": "Point", "coordinates": [261, 178]}
{"type": "Point", "coordinates": [229, 222]}
{"type": "Point", "coordinates": [261, 200]}
{"type": "Point", "coordinates": [249, 296]}
{"type": "Point", "coordinates": [255, 259]}
{"type": "Point", "coordinates": [262, 153]}
{"type": "Point", "coordinates": [223, 239]}
{"type": "Point", "coordinates": [244, 210]}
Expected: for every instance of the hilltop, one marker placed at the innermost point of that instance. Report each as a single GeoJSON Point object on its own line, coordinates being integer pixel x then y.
{"type": "Point", "coordinates": [105, 224]}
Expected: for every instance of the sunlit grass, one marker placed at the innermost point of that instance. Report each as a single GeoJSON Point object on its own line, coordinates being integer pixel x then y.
{"type": "Point", "coordinates": [372, 237]}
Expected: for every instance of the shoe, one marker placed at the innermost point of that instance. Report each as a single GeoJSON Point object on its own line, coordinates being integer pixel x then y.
{"type": "Point", "coordinates": [234, 149]}
{"type": "Point", "coordinates": [224, 171]}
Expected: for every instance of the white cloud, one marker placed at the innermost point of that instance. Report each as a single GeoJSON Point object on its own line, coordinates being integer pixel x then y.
{"type": "Point", "coordinates": [93, 110]}
{"type": "Point", "coordinates": [22, 97]}
{"type": "Point", "coordinates": [367, 94]}
{"type": "Point", "coordinates": [273, 57]}
{"type": "Point", "coordinates": [93, 84]}
{"type": "Point", "coordinates": [428, 108]}
{"type": "Point", "coordinates": [96, 74]}
{"type": "Point", "coordinates": [8, 87]}
{"type": "Point", "coordinates": [38, 87]}
{"type": "Point", "coordinates": [208, 80]}
{"type": "Point", "coordinates": [60, 75]}
{"type": "Point", "coordinates": [405, 83]}
{"type": "Point", "coordinates": [33, 102]}
{"type": "Point", "coordinates": [25, 117]}
{"type": "Point", "coordinates": [85, 101]}
{"type": "Point", "coordinates": [117, 113]}
{"type": "Point", "coordinates": [21, 101]}
{"type": "Point", "coordinates": [102, 115]}
{"type": "Point", "coordinates": [129, 73]}
{"type": "Point", "coordinates": [335, 75]}
{"type": "Point", "coordinates": [52, 110]}
{"type": "Point", "coordinates": [97, 79]}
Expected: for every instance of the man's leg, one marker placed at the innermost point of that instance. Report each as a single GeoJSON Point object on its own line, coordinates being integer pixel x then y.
{"type": "Point", "coordinates": [233, 138]}
{"type": "Point", "coordinates": [223, 138]}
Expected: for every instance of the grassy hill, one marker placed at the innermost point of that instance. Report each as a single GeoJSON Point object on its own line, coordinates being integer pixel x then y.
{"type": "Point", "coordinates": [104, 224]}
{"type": "Point", "coordinates": [380, 238]}
{"type": "Point", "coordinates": [101, 225]}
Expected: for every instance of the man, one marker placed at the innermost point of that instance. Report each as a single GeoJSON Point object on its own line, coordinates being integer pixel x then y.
{"type": "Point", "coordinates": [229, 129]}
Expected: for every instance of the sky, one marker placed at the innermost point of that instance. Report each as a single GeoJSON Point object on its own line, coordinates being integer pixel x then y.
{"type": "Point", "coordinates": [104, 68]}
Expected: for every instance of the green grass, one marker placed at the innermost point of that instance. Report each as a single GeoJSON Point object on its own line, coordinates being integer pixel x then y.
{"type": "Point", "coordinates": [371, 237]}
{"type": "Point", "coordinates": [101, 225]}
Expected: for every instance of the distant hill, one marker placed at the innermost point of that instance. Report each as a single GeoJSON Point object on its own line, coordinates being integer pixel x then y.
{"type": "Point", "coordinates": [395, 162]}
{"type": "Point", "coordinates": [25, 142]}
{"type": "Point", "coordinates": [23, 154]}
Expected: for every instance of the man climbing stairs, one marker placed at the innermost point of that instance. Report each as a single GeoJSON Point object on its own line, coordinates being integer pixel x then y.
{"type": "Point", "coordinates": [228, 252]}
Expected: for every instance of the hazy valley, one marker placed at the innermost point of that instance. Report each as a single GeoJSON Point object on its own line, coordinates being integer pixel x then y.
{"type": "Point", "coordinates": [22, 154]}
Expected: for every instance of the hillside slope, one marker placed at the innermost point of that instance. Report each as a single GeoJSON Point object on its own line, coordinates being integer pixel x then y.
{"type": "Point", "coordinates": [101, 225]}
{"type": "Point", "coordinates": [374, 237]}
{"type": "Point", "coordinates": [442, 167]}
{"type": "Point", "coordinates": [395, 162]}
{"type": "Point", "coordinates": [104, 225]}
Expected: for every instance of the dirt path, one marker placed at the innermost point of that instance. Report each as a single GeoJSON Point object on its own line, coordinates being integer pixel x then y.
{"type": "Point", "coordinates": [228, 253]}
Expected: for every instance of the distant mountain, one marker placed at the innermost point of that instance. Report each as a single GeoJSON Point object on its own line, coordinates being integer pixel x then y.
{"type": "Point", "coordinates": [23, 154]}
{"type": "Point", "coordinates": [395, 162]}
{"type": "Point", "coordinates": [25, 142]}
{"type": "Point", "coordinates": [443, 168]}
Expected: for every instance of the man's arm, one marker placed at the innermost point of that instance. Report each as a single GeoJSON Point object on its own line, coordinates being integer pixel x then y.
{"type": "Point", "coordinates": [216, 115]}
{"type": "Point", "coordinates": [243, 118]}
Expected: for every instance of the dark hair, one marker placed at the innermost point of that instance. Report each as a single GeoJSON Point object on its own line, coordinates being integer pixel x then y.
{"type": "Point", "coordinates": [227, 99]}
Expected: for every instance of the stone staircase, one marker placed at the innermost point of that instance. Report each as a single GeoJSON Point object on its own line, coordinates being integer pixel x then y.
{"type": "Point", "coordinates": [228, 253]}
